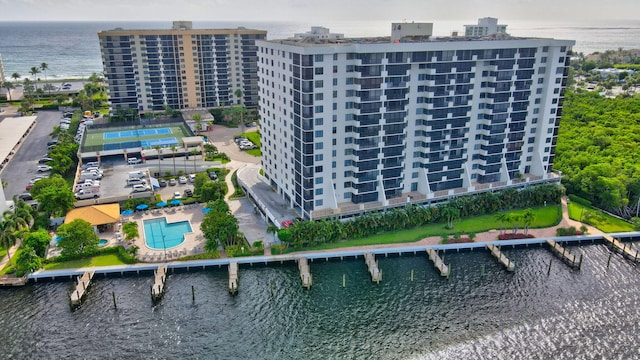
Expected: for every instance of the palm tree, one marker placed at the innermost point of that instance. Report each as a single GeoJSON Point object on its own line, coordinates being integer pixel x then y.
{"type": "Point", "coordinates": [501, 217]}
{"type": "Point", "coordinates": [273, 230]}
{"type": "Point", "coordinates": [158, 149]}
{"type": "Point", "coordinates": [8, 85]}
{"type": "Point", "coordinates": [173, 150]}
{"type": "Point", "coordinates": [450, 213]}
{"type": "Point", "coordinates": [527, 219]}
{"type": "Point", "coordinates": [15, 76]}
{"type": "Point", "coordinates": [44, 66]}
{"type": "Point", "coordinates": [34, 71]}
{"type": "Point", "coordinates": [238, 94]}
{"type": "Point", "coordinates": [9, 230]}
{"type": "Point", "coordinates": [23, 210]}
{"type": "Point", "coordinates": [194, 153]}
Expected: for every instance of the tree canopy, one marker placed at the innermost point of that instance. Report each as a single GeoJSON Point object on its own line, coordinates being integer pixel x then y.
{"type": "Point", "coordinates": [597, 150]}
{"type": "Point", "coordinates": [77, 238]}
{"type": "Point", "coordinates": [54, 195]}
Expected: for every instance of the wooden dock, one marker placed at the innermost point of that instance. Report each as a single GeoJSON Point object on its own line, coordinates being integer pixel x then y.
{"type": "Point", "coordinates": [495, 251]}
{"type": "Point", "coordinates": [83, 283]}
{"type": "Point", "coordinates": [626, 250]}
{"type": "Point", "coordinates": [565, 255]}
{"type": "Point", "coordinates": [13, 281]}
{"type": "Point", "coordinates": [305, 272]}
{"type": "Point", "coordinates": [233, 277]}
{"type": "Point", "coordinates": [157, 290]}
{"type": "Point", "coordinates": [372, 265]}
{"type": "Point", "coordinates": [438, 263]}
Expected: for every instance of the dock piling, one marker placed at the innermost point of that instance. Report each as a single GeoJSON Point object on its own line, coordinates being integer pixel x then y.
{"type": "Point", "coordinates": [113, 296]}
{"type": "Point", "coordinates": [411, 275]}
{"type": "Point", "coordinates": [609, 261]}
{"type": "Point", "coordinates": [344, 280]}
{"type": "Point", "coordinates": [193, 294]}
{"type": "Point", "coordinates": [549, 269]}
{"type": "Point", "coordinates": [566, 256]}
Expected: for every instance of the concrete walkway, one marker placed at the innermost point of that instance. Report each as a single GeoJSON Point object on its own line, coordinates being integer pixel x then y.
{"type": "Point", "coordinates": [12, 252]}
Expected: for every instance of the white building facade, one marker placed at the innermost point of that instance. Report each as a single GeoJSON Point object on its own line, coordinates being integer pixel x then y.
{"type": "Point", "coordinates": [369, 124]}
{"type": "Point", "coordinates": [486, 26]}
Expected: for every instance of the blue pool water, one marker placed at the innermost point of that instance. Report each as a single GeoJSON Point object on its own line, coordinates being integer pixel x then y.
{"type": "Point", "coordinates": [103, 242]}
{"type": "Point", "coordinates": [173, 233]}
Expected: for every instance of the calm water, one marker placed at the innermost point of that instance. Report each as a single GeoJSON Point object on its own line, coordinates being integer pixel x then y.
{"type": "Point", "coordinates": [567, 315]}
{"type": "Point", "coordinates": [71, 49]}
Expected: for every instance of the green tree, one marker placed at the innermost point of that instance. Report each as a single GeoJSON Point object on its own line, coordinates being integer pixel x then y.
{"type": "Point", "coordinates": [34, 71]}
{"type": "Point", "coordinates": [501, 217]}
{"type": "Point", "coordinates": [77, 238]}
{"type": "Point", "coordinates": [158, 151]}
{"type": "Point", "coordinates": [273, 230]}
{"type": "Point", "coordinates": [238, 94]}
{"type": "Point", "coordinates": [10, 227]}
{"type": "Point", "coordinates": [15, 76]}
{"type": "Point", "coordinates": [38, 241]}
{"type": "Point", "coordinates": [54, 195]}
{"type": "Point", "coordinates": [44, 67]}
{"type": "Point", "coordinates": [212, 190]}
{"type": "Point", "coordinates": [450, 213]}
{"type": "Point", "coordinates": [198, 119]}
{"type": "Point", "coordinates": [130, 230]}
{"type": "Point", "coordinates": [200, 180]}
{"type": "Point", "coordinates": [528, 217]}
{"type": "Point", "coordinates": [219, 227]}
{"type": "Point", "coordinates": [173, 152]}
{"type": "Point", "coordinates": [28, 260]}
{"type": "Point", "coordinates": [8, 85]}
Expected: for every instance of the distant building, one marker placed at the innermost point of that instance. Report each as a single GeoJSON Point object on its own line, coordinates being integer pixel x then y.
{"type": "Point", "coordinates": [605, 73]}
{"type": "Point", "coordinates": [182, 67]}
{"type": "Point", "coordinates": [367, 124]}
{"type": "Point", "coordinates": [318, 33]}
{"type": "Point", "coordinates": [486, 26]}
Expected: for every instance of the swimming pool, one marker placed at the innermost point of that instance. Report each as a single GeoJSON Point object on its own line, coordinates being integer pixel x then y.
{"type": "Point", "coordinates": [160, 235]}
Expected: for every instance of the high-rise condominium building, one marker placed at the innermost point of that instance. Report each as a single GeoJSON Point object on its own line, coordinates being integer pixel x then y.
{"type": "Point", "coordinates": [2, 74]}
{"type": "Point", "coordinates": [486, 26]}
{"type": "Point", "coordinates": [353, 125]}
{"type": "Point", "coordinates": [180, 67]}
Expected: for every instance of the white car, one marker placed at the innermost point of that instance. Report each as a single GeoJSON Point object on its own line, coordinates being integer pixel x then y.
{"type": "Point", "coordinates": [141, 188]}
{"type": "Point", "coordinates": [133, 161]}
{"type": "Point", "coordinates": [43, 168]}
{"type": "Point", "coordinates": [177, 195]}
{"type": "Point", "coordinates": [182, 180]}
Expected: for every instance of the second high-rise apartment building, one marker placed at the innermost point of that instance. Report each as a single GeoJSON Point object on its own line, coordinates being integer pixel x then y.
{"type": "Point", "coordinates": [352, 125]}
{"type": "Point", "coordinates": [180, 67]}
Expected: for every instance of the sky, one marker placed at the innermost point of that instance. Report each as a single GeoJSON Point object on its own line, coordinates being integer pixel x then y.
{"type": "Point", "coordinates": [321, 10]}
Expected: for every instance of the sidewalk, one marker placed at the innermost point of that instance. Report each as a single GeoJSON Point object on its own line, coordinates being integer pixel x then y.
{"type": "Point", "coordinates": [12, 252]}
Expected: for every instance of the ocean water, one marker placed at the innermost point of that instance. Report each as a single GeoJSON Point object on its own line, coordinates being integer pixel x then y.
{"type": "Point", "coordinates": [71, 49]}
{"type": "Point", "coordinates": [493, 314]}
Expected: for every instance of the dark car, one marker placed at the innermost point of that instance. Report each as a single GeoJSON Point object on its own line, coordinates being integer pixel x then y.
{"type": "Point", "coordinates": [25, 196]}
{"type": "Point", "coordinates": [44, 160]}
{"type": "Point", "coordinates": [188, 193]}
{"type": "Point", "coordinates": [213, 175]}
{"type": "Point", "coordinates": [162, 183]}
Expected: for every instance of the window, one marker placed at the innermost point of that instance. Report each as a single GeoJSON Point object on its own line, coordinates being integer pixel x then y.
{"type": "Point", "coordinates": [319, 109]}
{"type": "Point", "coordinates": [534, 120]}
{"type": "Point", "coordinates": [319, 180]}
{"type": "Point", "coordinates": [414, 175]}
{"type": "Point", "coordinates": [319, 122]}
{"type": "Point", "coordinates": [347, 195]}
{"type": "Point", "coordinates": [543, 59]}
{"type": "Point", "coordinates": [530, 149]}
{"type": "Point", "coordinates": [539, 91]}
{"type": "Point", "coordinates": [319, 202]}
{"type": "Point", "coordinates": [529, 158]}
{"type": "Point", "coordinates": [319, 84]}
{"type": "Point", "coordinates": [319, 96]}
{"type": "Point", "coordinates": [533, 131]}
{"type": "Point", "coordinates": [537, 101]}
{"type": "Point", "coordinates": [319, 133]}
{"type": "Point", "coordinates": [319, 191]}
{"type": "Point", "coordinates": [319, 57]}
{"type": "Point", "coordinates": [319, 146]}
{"type": "Point", "coordinates": [319, 71]}
{"type": "Point", "coordinates": [319, 157]}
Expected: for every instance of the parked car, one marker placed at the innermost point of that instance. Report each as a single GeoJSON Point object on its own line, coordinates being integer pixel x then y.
{"type": "Point", "coordinates": [176, 195]}
{"type": "Point", "coordinates": [162, 183]}
{"type": "Point", "coordinates": [43, 168]}
{"type": "Point", "coordinates": [213, 175]}
{"type": "Point", "coordinates": [182, 179]}
{"type": "Point", "coordinates": [286, 223]}
{"type": "Point", "coordinates": [192, 177]}
{"type": "Point", "coordinates": [88, 194]}
{"type": "Point", "coordinates": [25, 196]}
{"type": "Point", "coordinates": [136, 182]}
{"type": "Point", "coordinates": [52, 142]}
{"type": "Point", "coordinates": [140, 188]}
{"type": "Point", "coordinates": [133, 160]}
{"type": "Point", "coordinates": [172, 182]}
{"type": "Point", "coordinates": [188, 193]}
{"type": "Point", "coordinates": [90, 164]}
{"type": "Point", "coordinates": [45, 160]}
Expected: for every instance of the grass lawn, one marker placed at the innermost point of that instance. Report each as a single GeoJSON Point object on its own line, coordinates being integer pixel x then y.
{"type": "Point", "coordinates": [544, 217]}
{"type": "Point", "coordinates": [254, 137]}
{"type": "Point", "coordinates": [14, 257]}
{"type": "Point", "coordinates": [598, 219]}
{"type": "Point", "coordinates": [100, 260]}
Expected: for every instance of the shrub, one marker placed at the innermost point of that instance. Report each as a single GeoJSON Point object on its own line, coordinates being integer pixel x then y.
{"type": "Point", "coordinates": [578, 200]}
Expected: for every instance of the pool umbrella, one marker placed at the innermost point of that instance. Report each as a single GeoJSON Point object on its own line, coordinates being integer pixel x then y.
{"type": "Point", "coordinates": [206, 210]}
{"type": "Point", "coordinates": [127, 212]}
{"type": "Point", "coordinates": [142, 206]}
{"type": "Point", "coordinates": [175, 202]}
{"type": "Point", "coordinates": [161, 204]}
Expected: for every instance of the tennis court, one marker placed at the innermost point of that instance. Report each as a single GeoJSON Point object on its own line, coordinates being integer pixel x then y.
{"type": "Point", "coordinates": [136, 133]}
